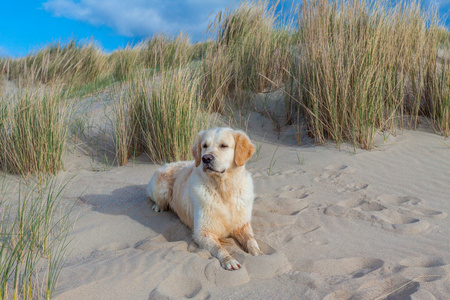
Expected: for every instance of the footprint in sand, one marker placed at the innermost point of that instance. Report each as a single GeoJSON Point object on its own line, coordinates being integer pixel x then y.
{"type": "Point", "coordinates": [388, 215]}
{"type": "Point", "coordinates": [393, 287]}
{"type": "Point", "coordinates": [187, 286]}
{"type": "Point", "coordinates": [410, 206]}
{"type": "Point", "coordinates": [363, 205]}
{"type": "Point", "coordinates": [411, 273]}
{"type": "Point", "coordinates": [293, 192]}
{"type": "Point", "coordinates": [304, 236]}
{"type": "Point", "coordinates": [266, 218]}
{"type": "Point", "coordinates": [290, 201]}
{"type": "Point", "coordinates": [288, 173]}
{"type": "Point", "coordinates": [287, 207]}
{"type": "Point", "coordinates": [332, 172]}
{"type": "Point", "coordinates": [424, 269]}
{"type": "Point", "coordinates": [399, 200]}
{"type": "Point", "coordinates": [335, 271]}
{"type": "Point", "coordinates": [355, 187]}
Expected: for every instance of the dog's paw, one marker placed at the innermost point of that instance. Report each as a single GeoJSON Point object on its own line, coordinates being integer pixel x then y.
{"type": "Point", "coordinates": [255, 252]}
{"type": "Point", "coordinates": [230, 264]}
{"type": "Point", "coordinates": [253, 248]}
{"type": "Point", "coordinates": [156, 208]}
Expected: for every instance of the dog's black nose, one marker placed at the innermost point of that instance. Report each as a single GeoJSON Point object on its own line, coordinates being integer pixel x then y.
{"type": "Point", "coordinates": [207, 158]}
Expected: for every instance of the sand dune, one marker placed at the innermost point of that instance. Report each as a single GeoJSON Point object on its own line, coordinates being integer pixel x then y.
{"type": "Point", "coordinates": [332, 224]}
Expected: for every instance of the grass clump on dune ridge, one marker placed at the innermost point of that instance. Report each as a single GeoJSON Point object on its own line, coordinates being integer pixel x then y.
{"type": "Point", "coordinates": [33, 131]}
{"type": "Point", "coordinates": [76, 64]}
{"type": "Point", "coordinates": [252, 53]}
{"type": "Point", "coordinates": [256, 44]}
{"type": "Point", "coordinates": [125, 62]}
{"type": "Point", "coordinates": [362, 67]}
{"type": "Point", "coordinates": [157, 53]}
{"type": "Point", "coordinates": [69, 63]}
{"type": "Point", "coordinates": [162, 51]}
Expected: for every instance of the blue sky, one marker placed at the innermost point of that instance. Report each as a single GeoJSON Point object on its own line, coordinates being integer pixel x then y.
{"type": "Point", "coordinates": [27, 25]}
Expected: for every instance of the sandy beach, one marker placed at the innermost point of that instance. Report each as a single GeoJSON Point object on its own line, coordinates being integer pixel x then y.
{"type": "Point", "coordinates": [348, 107]}
{"type": "Point", "coordinates": [332, 223]}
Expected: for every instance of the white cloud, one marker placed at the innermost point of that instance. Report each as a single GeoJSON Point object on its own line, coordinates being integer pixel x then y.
{"type": "Point", "coordinates": [138, 18]}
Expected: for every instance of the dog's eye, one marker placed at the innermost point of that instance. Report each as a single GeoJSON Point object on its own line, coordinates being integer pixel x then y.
{"type": "Point", "coordinates": [205, 146]}
{"type": "Point", "coordinates": [223, 146]}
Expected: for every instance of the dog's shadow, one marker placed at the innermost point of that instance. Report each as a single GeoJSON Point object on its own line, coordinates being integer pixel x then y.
{"type": "Point", "coordinates": [132, 201]}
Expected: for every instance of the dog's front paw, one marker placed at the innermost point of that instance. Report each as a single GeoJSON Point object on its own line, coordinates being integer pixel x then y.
{"type": "Point", "coordinates": [230, 264]}
{"type": "Point", "coordinates": [255, 252]}
{"type": "Point", "coordinates": [156, 208]}
{"type": "Point", "coordinates": [253, 248]}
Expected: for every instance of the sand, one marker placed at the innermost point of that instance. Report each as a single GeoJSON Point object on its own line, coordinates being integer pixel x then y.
{"type": "Point", "coordinates": [333, 223]}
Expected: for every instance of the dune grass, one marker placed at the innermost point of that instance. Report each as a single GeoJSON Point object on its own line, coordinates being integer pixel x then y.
{"type": "Point", "coordinates": [217, 76]}
{"type": "Point", "coordinates": [125, 62]}
{"type": "Point", "coordinates": [159, 115]}
{"type": "Point", "coordinates": [443, 37]}
{"type": "Point", "coordinates": [77, 64]}
{"type": "Point", "coordinates": [252, 52]}
{"type": "Point", "coordinates": [260, 49]}
{"type": "Point", "coordinates": [163, 51]}
{"type": "Point", "coordinates": [33, 239]}
{"type": "Point", "coordinates": [33, 130]}
{"type": "Point", "coordinates": [440, 104]}
{"type": "Point", "coordinates": [159, 52]}
{"type": "Point", "coordinates": [71, 63]}
{"type": "Point", "coordinates": [363, 66]}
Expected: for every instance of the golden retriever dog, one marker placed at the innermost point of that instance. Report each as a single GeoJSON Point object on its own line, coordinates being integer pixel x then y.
{"type": "Point", "coordinates": [213, 195]}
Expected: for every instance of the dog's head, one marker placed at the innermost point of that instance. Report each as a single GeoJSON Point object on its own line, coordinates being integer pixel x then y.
{"type": "Point", "coordinates": [221, 149]}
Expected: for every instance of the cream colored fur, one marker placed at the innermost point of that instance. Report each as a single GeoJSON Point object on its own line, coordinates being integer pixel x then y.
{"type": "Point", "coordinates": [215, 200]}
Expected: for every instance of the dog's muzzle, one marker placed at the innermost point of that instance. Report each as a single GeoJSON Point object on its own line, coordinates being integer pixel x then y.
{"type": "Point", "coordinates": [208, 160]}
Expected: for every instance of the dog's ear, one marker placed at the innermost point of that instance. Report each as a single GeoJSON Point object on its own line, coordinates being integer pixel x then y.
{"type": "Point", "coordinates": [244, 148]}
{"type": "Point", "coordinates": [197, 149]}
